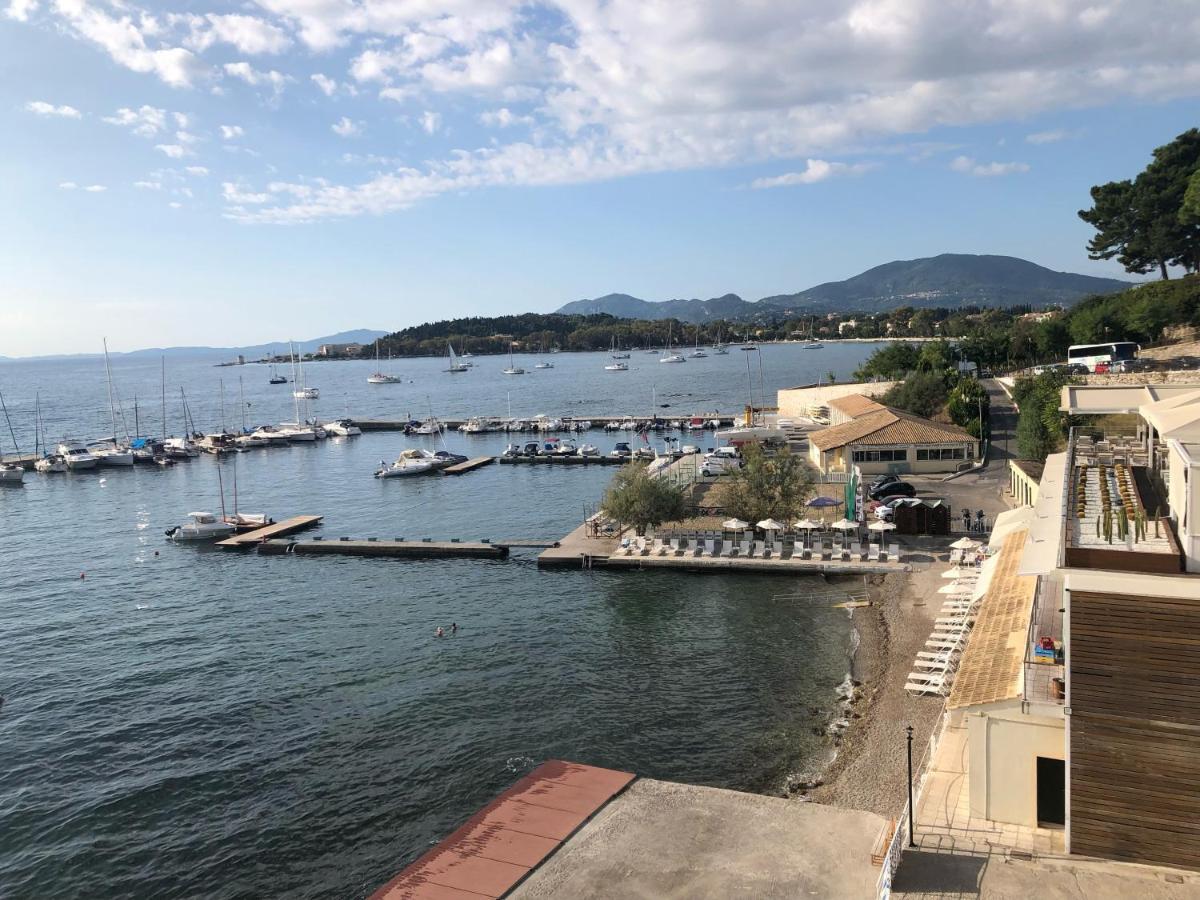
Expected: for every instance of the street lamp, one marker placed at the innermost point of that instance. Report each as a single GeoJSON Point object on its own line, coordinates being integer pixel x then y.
{"type": "Point", "coordinates": [911, 835]}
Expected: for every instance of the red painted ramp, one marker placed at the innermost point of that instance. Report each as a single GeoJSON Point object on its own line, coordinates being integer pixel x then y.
{"type": "Point", "coordinates": [500, 844]}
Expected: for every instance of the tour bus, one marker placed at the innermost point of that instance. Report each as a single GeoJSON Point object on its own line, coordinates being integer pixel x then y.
{"type": "Point", "coordinates": [1102, 357]}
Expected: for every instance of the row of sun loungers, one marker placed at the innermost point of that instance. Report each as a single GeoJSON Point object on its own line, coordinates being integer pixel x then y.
{"type": "Point", "coordinates": [752, 549]}
{"type": "Point", "coordinates": [934, 667]}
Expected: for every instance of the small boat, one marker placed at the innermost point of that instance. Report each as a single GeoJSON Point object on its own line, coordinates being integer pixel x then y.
{"type": "Point", "coordinates": [51, 464]}
{"type": "Point", "coordinates": [544, 365]}
{"type": "Point", "coordinates": [217, 443]}
{"type": "Point", "coordinates": [749, 347]}
{"type": "Point", "coordinates": [203, 527]}
{"type": "Point", "coordinates": [621, 451]}
{"type": "Point", "coordinates": [616, 367]}
{"type": "Point", "coordinates": [698, 353]}
{"type": "Point", "coordinates": [455, 365]}
{"type": "Point", "coordinates": [381, 378]}
{"type": "Point", "coordinates": [271, 435]}
{"type": "Point", "coordinates": [307, 393]}
{"type": "Point", "coordinates": [588, 450]}
{"type": "Point", "coordinates": [276, 378]}
{"type": "Point", "coordinates": [180, 448]}
{"type": "Point", "coordinates": [11, 474]}
{"type": "Point", "coordinates": [343, 428]}
{"type": "Point", "coordinates": [408, 463]}
{"type": "Point", "coordinates": [612, 350]}
{"type": "Point", "coordinates": [304, 392]}
{"type": "Point", "coordinates": [671, 356]}
{"type": "Point", "coordinates": [252, 441]}
{"type": "Point", "coordinates": [512, 451]}
{"type": "Point", "coordinates": [297, 433]}
{"type": "Point", "coordinates": [562, 448]}
{"type": "Point", "coordinates": [76, 455]}
{"type": "Point", "coordinates": [429, 426]}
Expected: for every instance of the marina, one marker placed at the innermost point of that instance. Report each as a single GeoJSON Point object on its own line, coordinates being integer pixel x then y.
{"type": "Point", "coordinates": [268, 532]}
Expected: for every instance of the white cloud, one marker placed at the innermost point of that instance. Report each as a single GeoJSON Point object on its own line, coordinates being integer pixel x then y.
{"type": "Point", "coordinates": [255, 77]}
{"type": "Point", "coordinates": [42, 108]}
{"type": "Point", "coordinates": [968, 166]}
{"type": "Point", "coordinates": [503, 118]}
{"type": "Point", "coordinates": [95, 189]}
{"type": "Point", "coordinates": [148, 185]}
{"type": "Point", "coordinates": [248, 34]}
{"type": "Point", "coordinates": [347, 128]}
{"type": "Point", "coordinates": [175, 151]}
{"type": "Point", "coordinates": [1048, 137]}
{"type": "Point", "coordinates": [67, 185]}
{"type": "Point", "coordinates": [196, 170]}
{"type": "Point", "coordinates": [20, 10]}
{"type": "Point", "coordinates": [430, 121]}
{"type": "Point", "coordinates": [814, 170]}
{"type": "Point", "coordinates": [145, 121]}
{"type": "Point", "coordinates": [327, 85]}
{"type": "Point", "coordinates": [125, 41]}
{"type": "Point", "coordinates": [231, 132]}
{"type": "Point", "coordinates": [175, 204]}
{"type": "Point", "coordinates": [235, 194]}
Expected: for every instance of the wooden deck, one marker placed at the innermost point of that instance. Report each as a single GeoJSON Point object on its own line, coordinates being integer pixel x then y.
{"type": "Point", "coordinates": [502, 843]}
{"type": "Point", "coordinates": [469, 466]}
{"type": "Point", "coordinates": [267, 532]}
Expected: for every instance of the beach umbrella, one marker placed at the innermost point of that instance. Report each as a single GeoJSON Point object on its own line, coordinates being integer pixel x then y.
{"type": "Point", "coordinates": [965, 543]}
{"type": "Point", "coordinates": [735, 525]}
{"type": "Point", "coordinates": [771, 525]}
{"type": "Point", "coordinates": [806, 525]}
{"type": "Point", "coordinates": [823, 502]}
{"type": "Point", "coordinates": [882, 525]}
{"type": "Point", "coordinates": [844, 525]}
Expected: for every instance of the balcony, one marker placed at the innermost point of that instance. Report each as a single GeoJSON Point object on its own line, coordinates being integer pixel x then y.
{"type": "Point", "coordinates": [1044, 669]}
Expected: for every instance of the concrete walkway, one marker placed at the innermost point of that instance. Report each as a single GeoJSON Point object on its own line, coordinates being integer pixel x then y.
{"type": "Point", "coordinates": [665, 840]}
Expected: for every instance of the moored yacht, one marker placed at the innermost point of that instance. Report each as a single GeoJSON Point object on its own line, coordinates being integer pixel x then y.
{"type": "Point", "coordinates": [343, 428]}
{"type": "Point", "coordinates": [75, 455]}
{"type": "Point", "coordinates": [180, 448]}
{"type": "Point", "coordinates": [51, 464]}
{"type": "Point", "coordinates": [204, 527]}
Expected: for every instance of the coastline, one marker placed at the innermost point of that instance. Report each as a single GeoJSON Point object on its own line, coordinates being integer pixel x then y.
{"type": "Point", "coordinates": [869, 769]}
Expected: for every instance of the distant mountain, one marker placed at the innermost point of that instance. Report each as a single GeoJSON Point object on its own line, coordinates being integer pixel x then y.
{"type": "Point", "coordinates": [254, 351]}
{"type": "Point", "coordinates": [950, 280]}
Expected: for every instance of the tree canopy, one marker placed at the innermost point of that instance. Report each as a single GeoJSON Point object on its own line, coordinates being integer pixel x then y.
{"type": "Point", "coordinates": [636, 498]}
{"type": "Point", "coordinates": [1149, 222]}
{"type": "Point", "coordinates": [774, 487]}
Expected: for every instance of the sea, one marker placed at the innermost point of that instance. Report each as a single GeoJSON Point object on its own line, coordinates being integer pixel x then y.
{"type": "Point", "coordinates": [181, 721]}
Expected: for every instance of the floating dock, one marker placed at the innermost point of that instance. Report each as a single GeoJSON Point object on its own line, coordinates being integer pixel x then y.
{"type": "Point", "coordinates": [268, 532]}
{"type": "Point", "coordinates": [470, 465]}
{"type": "Point", "coordinates": [398, 548]}
{"type": "Point", "coordinates": [564, 460]}
{"type": "Point", "coordinates": [598, 422]}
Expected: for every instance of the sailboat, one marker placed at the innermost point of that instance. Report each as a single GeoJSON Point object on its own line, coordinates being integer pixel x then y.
{"type": "Point", "coordinates": [456, 365]}
{"type": "Point", "coordinates": [380, 377]}
{"type": "Point", "coordinates": [513, 368]}
{"type": "Point", "coordinates": [698, 353]}
{"type": "Point", "coordinates": [111, 452]}
{"type": "Point", "coordinates": [276, 378]}
{"type": "Point", "coordinates": [543, 364]}
{"type": "Point", "coordinates": [613, 351]}
{"type": "Point", "coordinates": [303, 392]}
{"type": "Point", "coordinates": [10, 473]}
{"type": "Point", "coordinates": [671, 357]}
{"type": "Point", "coordinates": [47, 462]}
{"type": "Point", "coordinates": [718, 348]}
{"type": "Point", "coordinates": [812, 343]}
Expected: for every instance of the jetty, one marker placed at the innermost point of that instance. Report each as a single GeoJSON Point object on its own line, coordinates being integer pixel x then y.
{"type": "Point", "coordinates": [269, 532]}
{"type": "Point", "coordinates": [400, 548]}
{"type": "Point", "coordinates": [470, 465]}
{"type": "Point", "coordinates": [555, 460]}
{"type": "Point", "coordinates": [598, 422]}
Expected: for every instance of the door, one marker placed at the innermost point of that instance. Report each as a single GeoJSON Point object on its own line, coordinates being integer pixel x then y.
{"type": "Point", "coordinates": [1051, 792]}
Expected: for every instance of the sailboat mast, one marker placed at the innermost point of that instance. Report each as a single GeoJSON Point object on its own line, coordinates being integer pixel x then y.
{"type": "Point", "coordinates": [221, 386]}
{"type": "Point", "coordinates": [242, 402]}
{"type": "Point", "coordinates": [112, 407]}
{"type": "Point", "coordinates": [221, 485]}
{"type": "Point", "coordinates": [37, 424]}
{"type": "Point", "coordinates": [295, 386]}
{"type": "Point", "coordinates": [164, 396]}
{"type": "Point", "coordinates": [137, 425]}
{"type": "Point", "coordinates": [12, 434]}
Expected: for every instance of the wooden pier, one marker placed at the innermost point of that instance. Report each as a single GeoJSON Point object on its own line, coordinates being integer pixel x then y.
{"type": "Point", "coordinates": [268, 532]}
{"type": "Point", "coordinates": [399, 548]}
{"type": "Point", "coordinates": [598, 422]}
{"type": "Point", "coordinates": [470, 465]}
{"type": "Point", "coordinates": [564, 460]}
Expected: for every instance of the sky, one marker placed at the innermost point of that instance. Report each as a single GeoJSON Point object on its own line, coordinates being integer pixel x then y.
{"type": "Point", "coordinates": [233, 173]}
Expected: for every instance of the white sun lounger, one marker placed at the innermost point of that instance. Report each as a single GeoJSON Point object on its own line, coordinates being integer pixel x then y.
{"type": "Point", "coordinates": [923, 688]}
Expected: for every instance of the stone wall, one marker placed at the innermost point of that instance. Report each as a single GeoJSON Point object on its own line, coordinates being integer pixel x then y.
{"type": "Point", "coordinates": [1188, 376]}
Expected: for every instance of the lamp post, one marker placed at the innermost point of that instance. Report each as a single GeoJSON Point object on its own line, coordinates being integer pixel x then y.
{"type": "Point", "coordinates": [911, 835]}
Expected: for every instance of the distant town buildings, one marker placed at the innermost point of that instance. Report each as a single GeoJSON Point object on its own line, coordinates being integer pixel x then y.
{"type": "Point", "coordinates": [332, 350]}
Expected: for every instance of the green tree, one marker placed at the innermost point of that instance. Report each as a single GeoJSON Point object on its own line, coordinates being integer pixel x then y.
{"type": "Point", "coordinates": [937, 356]}
{"type": "Point", "coordinates": [1052, 339]}
{"type": "Point", "coordinates": [766, 486]}
{"type": "Point", "coordinates": [1041, 427]}
{"type": "Point", "coordinates": [640, 500]}
{"type": "Point", "coordinates": [920, 393]}
{"type": "Point", "coordinates": [969, 406]}
{"type": "Point", "coordinates": [892, 361]}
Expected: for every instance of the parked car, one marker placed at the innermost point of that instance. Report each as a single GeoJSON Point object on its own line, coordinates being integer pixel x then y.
{"type": "Point", "coordinates": [892, 489]}
{"type": "Point", "coordinates": [719, 465]}
{"type": "Point", "coordinates": [880, 480]}
{"type": "Point", "coordinates": [887, 509]}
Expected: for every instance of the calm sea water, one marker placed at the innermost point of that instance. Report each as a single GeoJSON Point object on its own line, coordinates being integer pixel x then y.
{"type": "Point", "coordinates": [186, 722]}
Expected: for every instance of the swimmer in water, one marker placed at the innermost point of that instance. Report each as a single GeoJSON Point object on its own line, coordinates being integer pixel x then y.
{"type": "Point", "coordinates": [440, 632]}
{"type": "Point", "coordinates": [454, 628]}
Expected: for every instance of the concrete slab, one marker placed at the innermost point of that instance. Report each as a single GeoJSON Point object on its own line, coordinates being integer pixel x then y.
{"type": "Point", "coordinates": [665, 840]}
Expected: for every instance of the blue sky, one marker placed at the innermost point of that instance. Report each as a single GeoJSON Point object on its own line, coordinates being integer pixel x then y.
{"type": "Point", "coordinates": [234, 173]}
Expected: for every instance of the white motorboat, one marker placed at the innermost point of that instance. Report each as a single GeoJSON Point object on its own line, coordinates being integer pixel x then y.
{"type": "Point", "coordinates": [215, 443]}
{"type": "Point", "coordinates": [343, 428]}
{"type": "Point", "coordinates": [429, 426]}
{"type": "Point", "coordinates": [404, 466]}
{"type": "Point", "coordinates": [51, 464]}
{"type": "Point", "coordinates": [252, 441]}
{"type": "Point", "coordinates": [180, 448]}
{"type": "Point", "coordinates": [564, 448]}
{"type": "Point", "coordinates": [297, 433]}
{"type": "Point", "coordinates": [589, 450]}
{"type": "Point", "coordinates": [307, 394]}
{"type": "Point", "coordinates": [456, 366]}
{"type": "Point", "coordinates": [111, 455]}
{"type": "Point", "coordinates": [203, 527]}
{"type": "Point", "coordinates": [616, 367]}
{"type": "Point", "coordinates": [672, 358]}
{"type": "Point", "coordinates": [243, 521]}
{"type": "Point", "coordinates": [272, 435]}
{"type": "Point", "coordinates": [544, 365]}
{"type": "Point", "coordinates": [382, 378]}
{"type": "Point", "coordinates": [76, 455]}
{"type": "Point", "coordinates": [11, 474]}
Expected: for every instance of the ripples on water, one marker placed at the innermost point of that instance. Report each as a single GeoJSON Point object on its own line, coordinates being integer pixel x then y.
{"type": "Point", "coordinates": [186, 722]}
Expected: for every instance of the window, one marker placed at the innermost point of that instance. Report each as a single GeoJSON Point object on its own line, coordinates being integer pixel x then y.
{"type": "Point", "coordinates": [880, 455]}
{"type": "Point", "coordinates": [935, 453]}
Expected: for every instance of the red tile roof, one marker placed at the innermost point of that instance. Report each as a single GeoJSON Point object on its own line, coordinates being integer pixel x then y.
{"type": "Point", "coordinates": [499, 845]}
{"type": "Point", "coordinates": [888, 427]}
